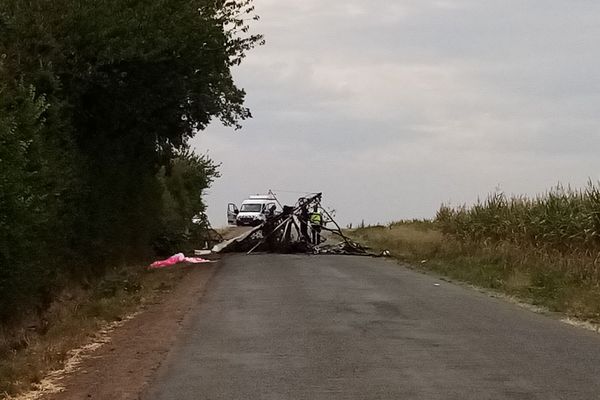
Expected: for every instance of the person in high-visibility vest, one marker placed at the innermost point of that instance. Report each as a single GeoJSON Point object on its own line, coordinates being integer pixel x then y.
{"type": "Point", "coordinates": [316, 221]}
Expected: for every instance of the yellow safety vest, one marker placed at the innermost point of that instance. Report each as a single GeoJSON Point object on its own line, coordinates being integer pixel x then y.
{"type": "Point", "coordinates": [315, 218]}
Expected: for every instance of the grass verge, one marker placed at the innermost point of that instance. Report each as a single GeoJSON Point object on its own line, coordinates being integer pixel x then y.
{"type": "Point", "coordinates": [42, 344]}
{"type": "Point", "coordinates": [565, 283]}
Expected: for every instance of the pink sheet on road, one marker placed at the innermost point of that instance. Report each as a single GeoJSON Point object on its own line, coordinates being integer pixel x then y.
{"type": "Point", "coordinates": [176, 259]}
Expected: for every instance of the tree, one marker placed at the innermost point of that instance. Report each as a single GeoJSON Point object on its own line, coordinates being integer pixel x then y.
{"type": "Point", "coordinates": [183, 207]}
{"type": "Point", "coordinates": [111, 91]}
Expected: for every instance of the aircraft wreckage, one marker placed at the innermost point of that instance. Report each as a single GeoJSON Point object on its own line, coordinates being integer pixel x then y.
{"type": "Point", "coordinates": [292, 231]}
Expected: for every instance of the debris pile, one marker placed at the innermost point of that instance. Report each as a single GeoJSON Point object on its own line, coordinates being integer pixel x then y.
{"type": "Point", "coordinates": [297, 229]}
{"type": "Point", "coordinates": [340, 248]}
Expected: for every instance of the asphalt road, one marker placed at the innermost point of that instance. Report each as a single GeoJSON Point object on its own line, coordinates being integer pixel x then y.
{"type": "Point", "coordinates": [333, 327]}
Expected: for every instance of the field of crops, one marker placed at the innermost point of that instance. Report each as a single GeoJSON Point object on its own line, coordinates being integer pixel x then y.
{"type": "Point", "coordinates": [563, 219]}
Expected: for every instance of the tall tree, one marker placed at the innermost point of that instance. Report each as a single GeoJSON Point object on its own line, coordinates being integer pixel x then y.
{"type": "Point", "coordinates": [120, 86]}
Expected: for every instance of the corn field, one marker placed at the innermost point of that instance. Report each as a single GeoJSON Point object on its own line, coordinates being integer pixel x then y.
{"type": "Point", "coordinates": [562, 219]}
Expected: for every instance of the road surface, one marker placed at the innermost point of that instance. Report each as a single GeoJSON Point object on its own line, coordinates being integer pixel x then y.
{"type": "Point", "coordinates": [336, 327]}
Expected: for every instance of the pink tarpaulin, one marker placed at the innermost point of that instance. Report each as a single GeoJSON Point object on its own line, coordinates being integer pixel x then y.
{"type": "Point", "coordinates": [176, 259]}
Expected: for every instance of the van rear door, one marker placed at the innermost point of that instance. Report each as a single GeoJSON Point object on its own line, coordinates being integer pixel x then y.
{"type": "Point", "coordinates": [232, 212]}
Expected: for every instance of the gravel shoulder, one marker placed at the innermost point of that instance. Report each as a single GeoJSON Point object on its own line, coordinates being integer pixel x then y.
{"type": "Point", "coordinates": [125, 360]}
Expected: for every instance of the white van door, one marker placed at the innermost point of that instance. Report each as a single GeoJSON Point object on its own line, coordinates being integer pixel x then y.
{"type": "Point", "coordinates": [232, 212]}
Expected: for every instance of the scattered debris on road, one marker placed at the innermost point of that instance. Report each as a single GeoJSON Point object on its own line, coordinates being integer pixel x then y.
{"type": "Point", "coordinates": [296, 230]}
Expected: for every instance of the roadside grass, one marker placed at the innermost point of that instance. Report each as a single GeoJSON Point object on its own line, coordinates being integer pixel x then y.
{"type": "Point", "coordinates": [558, 281]}
{"type": "Point", "coordinates": [42, 343]}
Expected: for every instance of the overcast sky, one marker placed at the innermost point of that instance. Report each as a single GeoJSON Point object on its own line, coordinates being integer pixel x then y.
{"type": "Point", "coordinates": [392, 107]}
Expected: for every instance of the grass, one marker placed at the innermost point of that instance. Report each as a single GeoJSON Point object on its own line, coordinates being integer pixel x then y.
{"type": "Point", "coordinates": [35, 347]}
{"type": "Point", "coordinates": [557, 280]}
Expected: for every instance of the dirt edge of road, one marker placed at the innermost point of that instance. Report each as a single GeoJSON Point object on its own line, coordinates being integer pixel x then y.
{"type": "Point", "coordinates": [124, 357]}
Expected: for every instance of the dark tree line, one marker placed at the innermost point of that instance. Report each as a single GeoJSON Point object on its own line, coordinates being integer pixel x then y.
{"type": "Point", "coordinates": [98, 99]}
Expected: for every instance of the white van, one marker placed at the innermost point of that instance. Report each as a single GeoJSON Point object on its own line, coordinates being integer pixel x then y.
{"type": "Point", "coordinates": [254, 210]}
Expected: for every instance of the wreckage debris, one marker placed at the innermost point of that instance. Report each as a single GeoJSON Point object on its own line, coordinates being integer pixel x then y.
{"type": "Point", "coordinates": [287, 232]}
{"type": "Point", "coordinates": [339, 248]}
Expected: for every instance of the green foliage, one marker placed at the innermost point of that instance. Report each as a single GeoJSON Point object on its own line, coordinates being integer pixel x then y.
{"type": "Point", "coordinates": [555, 237]}
{"type": "Point", "coordinates": [33, 182]}
{"type": "Point", "coordinates": [98, 99]}
{"type": "Point", "coordinates": [562, 219]}
{"type": "Point", "coordinates": [183, 206]}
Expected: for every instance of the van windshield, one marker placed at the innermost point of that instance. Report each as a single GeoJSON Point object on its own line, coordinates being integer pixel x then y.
{"type": "Point", "coordinates": [251, 208]}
